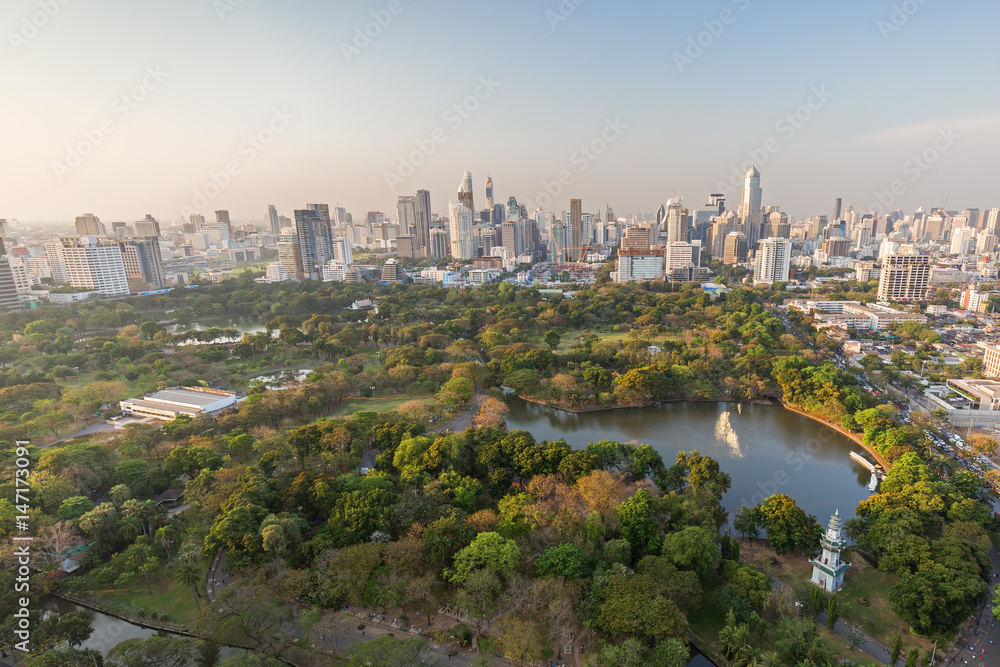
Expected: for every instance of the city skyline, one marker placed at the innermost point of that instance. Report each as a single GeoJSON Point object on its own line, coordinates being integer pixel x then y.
{"type": "Point", "coordinates": [831, 108]}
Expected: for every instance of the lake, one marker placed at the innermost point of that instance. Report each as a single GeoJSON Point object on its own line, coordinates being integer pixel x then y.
{"type": "Point", "coordinates": [766, 449]}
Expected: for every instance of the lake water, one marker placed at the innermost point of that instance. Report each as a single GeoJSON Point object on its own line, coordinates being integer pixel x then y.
{"type": "Point", "coordinates": [109, 631]}
{"type": "Point", "coordinates": [244, 325]}
{"type": "Point", "coordinates": [766, 449]}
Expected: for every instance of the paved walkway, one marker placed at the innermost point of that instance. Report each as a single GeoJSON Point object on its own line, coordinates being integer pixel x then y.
{"type": "Point", "coordinates": [218, 577]}
{"type": "Point", "coordinates": [465, 420]}
{"type": "Point", "coordinates": [980, 644]}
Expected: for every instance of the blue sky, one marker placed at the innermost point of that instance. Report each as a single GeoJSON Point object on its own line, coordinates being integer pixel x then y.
{"type": "Point", "coordinates": [231, 69]}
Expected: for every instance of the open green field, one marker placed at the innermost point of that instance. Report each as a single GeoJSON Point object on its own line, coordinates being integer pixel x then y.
{"type": "Point", "coordinates": [172, 601]}
{"type": "Point", "coordinates": [350, 406]}
{"type": "Point", "coordinates": [571, 338]}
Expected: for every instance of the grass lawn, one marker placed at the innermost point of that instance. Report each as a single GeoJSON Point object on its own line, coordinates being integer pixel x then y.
{"type": "Point", "coordinates": [571, 338]}
{"type": "Point", "coordinates": [170, 600]}
{"type": "Point", "coordinates": [350, 406]}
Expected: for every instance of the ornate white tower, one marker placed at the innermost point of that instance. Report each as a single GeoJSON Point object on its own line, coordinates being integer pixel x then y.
{"type": "Point", "coordinates": [828, 569]}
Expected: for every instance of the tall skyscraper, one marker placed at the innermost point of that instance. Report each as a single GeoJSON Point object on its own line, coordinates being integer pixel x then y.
{"type": "Point", "coordinates": [89, 224]}
{"type": "Point", "coordinates": [143, 263]}
{"type": "Point", "coordinates": [197, 220]}
{"type": "Point", "coordinates": [837, 208]}
{"type": "Point", "coordinates": [512, 238]}
{"type": "Point", "coordinates": [772, 262]}
{"type": "Point", "coordinates": [465, 192]}
{"type": "Point", "coordinates": [489, 195]}
{"type": "Point", "coordinates": [121, 229]}
{"type": "Point", "coordinates": [735, 251]}
{"type": "Point", "coordinates": [274, 219]}
{"type": "Point", "coordinates": [678, 222]}
{"type": "Point", "coordinates": [750, 205]}
{"type": "Point", "coordinates": [423, 228]}
{"type": "Point", "coordinates": [575, 241]}
{"type": "Point", "coordinates": [222, 219]}
{"type": "Point", "coordinates": [993, 220]}
{"type": "Point", "coordinates": [904, 278]}
{"type": "Point", "coordinates": [463, 245]}
{"type": "Point", "coordinates": [557, 242]}
{"type": "Point", "coordinates": [342, 251]}
{"type": "Point", "coordinates": [315, 242]}
{"type": "Point", "coordinates": [439, 243]}
{"type": "Point", "coordinates": [406, 215]}
{"type": "Point", "coordinates": [8, 288]}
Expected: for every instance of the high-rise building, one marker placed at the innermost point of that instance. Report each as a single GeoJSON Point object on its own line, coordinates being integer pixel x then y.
{"type": "Point", "coordinates": [93, 264]}
{"type": "Point", "coordinates": [342, 251]}
{"type": "Point", "coordinates": [222, 220]}
{"type": "Point", "coordinates": [148, 226]}
{"type": "Point", "coordinates": [423, 224]}
{"type": "Point", "coordinates": [460, 226]}
{"type": "Point", "coordinates": [639, 237]}
{"type": "Point", "coordinates": [750, 205]}
{"type": "Point", "coordinates": [406, 246]}
{"type": "Point", "coordinates": [974, 300]}
{"type": "Point", "coordinates": [837, 247]}
{"type": "Point", "coordinates": [678, 257]}
{"type": "Point", "coordinates": [322, 209]}
{"type": "Point", "coordinates": [576, 242]}
{"type": "Point", "coordinates": [904, 278]}
{"type": "Point", "coordinates": [678, 222]}
{"type": "Point", "coordinates": [639, 265]}
{"type": "Point", "coordinates": [89, 224]}
{"type": "Point", "coordinates": [837, 208]}
{"type": "Point", "coordinates": [772, 263]}
{"type": "Point", "coordinates": [465, 191]}
{"type": "Point", "coordinates": [289, 256]}
{"type": "Point", "coordinates": [512, 238]}
{"type": "Point", "coordinates": [8, 287]}
{"type": "Point", "coordinates": [439, 243]}
{"type": "Point", "coordinates": [273, 219]}
{"type": "Point", "coordinates": [392, 272]}
{"type": "Point", "coordinates": [315, 242]}
{"type": "Point", "coordinates": [489, 195]}
{"type": "Point", "coordinates": [197, 220]}
{"type": "Point", "coordinates": [735, 248]}
{"type": "Point", "coordinates": [406, 215]}
{"type": "Point", "coordinates": [143, 263]}
{"type": "Point", "coordinates": [780, 226]}
{"type": "Point", "coordinates": [986, 243]}
{"type": "Point", "coordinates": [557, 242]}
{"type": "Point", "coordinates": [992, 220]}
{"type": "Point", "coordinates": [962, 240]}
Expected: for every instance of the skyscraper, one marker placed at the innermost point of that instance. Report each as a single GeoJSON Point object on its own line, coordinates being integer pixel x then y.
{"type": "Point", "coordinates": [322, 209]}
{"type": "Point", "coordinates": [575, 242]}
{"type": "Point", "coordinates": [837, 208]}
{"type": "Point", "coordinates": [94, 265]}
{"type": "Point", "coordinates": [463, 246]}
{"type": "Point", "coordinates": [678, 222]}
{"type": "Point", "coordinates": [465, 192]}
{"type": "Point", "coordinates": [143, 263]}
{"type": "Point", "coordinates": [439, 243]}
{"type": "Point", "coordinates": [750, 205]}
{"type": "Point", "coordinates": [772, 262]}
{"type": "Point", "coordinates": [904, 278]}
{"type": "Point", "coordinates": [89, 224]}
{"type": "Point", "coordinates": [273, 218]}
{"type": "Point", "coordinates": [315, 242]}
{"type": "Point", "coordinates": [222, 219]}
{"type": "Point", "coordinates": [406, 214]}
{"type": "Point", "coordinates": [489, 195]}
{"type": "Point", "coordinates": [8, 288]}
{"type": "Point", "coordinates": [735, 251]}
{"type": "Point", "coordinates": [423, 228]}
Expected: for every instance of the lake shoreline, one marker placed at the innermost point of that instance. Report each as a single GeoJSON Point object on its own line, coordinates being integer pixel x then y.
{"type": "Point", "coordinates": [856, 437]}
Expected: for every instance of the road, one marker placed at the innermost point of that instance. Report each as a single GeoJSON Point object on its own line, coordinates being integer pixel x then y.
{"type": "Point", "coordinates": [464, 421]}
{"type": "Point", "coordinates": [980, 645]}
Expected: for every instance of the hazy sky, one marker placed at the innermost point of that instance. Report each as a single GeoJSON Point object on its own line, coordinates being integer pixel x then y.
{"type": "Point", "coordinates": [184, 84]}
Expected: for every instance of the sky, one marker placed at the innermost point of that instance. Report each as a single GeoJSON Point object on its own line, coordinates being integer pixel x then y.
{"type": "Point", "coordinates": [167, 107]}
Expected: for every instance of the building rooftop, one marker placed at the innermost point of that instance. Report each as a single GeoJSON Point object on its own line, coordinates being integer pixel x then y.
{"type": "Point", "coordinates": [184, 397]}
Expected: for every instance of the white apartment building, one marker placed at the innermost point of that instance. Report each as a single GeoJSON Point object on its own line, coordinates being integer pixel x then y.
{"type": "Point", "coordinates": [639, 266]}
{"type": "Point", "coordinates": [904, 278]}
{"type": "Point", "coordinates": [94, 266]}
{"type": "Point", "coordinates": [772, 262]}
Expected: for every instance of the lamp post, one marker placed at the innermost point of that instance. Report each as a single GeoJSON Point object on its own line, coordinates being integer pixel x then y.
{"type": "Point", "coordinates": [373, 396]}
{"type": "Point", "coordinates": [77, 369]}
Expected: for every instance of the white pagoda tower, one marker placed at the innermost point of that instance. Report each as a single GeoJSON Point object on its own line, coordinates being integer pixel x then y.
{"type": "Point", "coordinates": [828, 569]}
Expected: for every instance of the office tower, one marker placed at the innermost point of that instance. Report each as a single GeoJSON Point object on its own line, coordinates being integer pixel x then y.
{"type": "Point", "coordinates": [423, 224]}
{"type": "Point", "coordinates": [678, 222]}
{"type": "Point", "coordinates": [678, 256]}
{"type": "Point", "coordinates": [289, 256]}
{"type": "Point", "coordinates": [819, 227]}
{"type": "Point", "coordinates": [836, 209]}
{"type": "Point", "coordinates": [465, 192]}
{"type": "Point", "coordinates": [780, 226]}
{"type": "Point", "coordinates": [750, 205]}
{"type": "Point", "coordinates": [489, 196]}
{"type": "Point", "coordinates": [8, 287]}
{"type": "Point", "coordinates": [89, 224]}
{"type": "Point", "coordinates": [985, 243]}
{"type": "Point", "coordinates": [512, 238]}
{"type": "Point", "coordinates": [862, 237]}
{"type": "Point", "coordinates": [148, 226]}
{"type": "Point", "coordinates": [94, 265]}
{"type": "Point", "coordinates": [639, 237]}
{"type": "Point", "coordinates": [735, 250]}
{"type": "Point", "coordinates": [322, 209]}
{"type": "Point", "coordinates": [273, 219]}
{"type": "Point", "coordinates": [406, 246]}
{"type": "Point", "coordinates": [342, 251]}
{"type": "Point", "coordinates": [961, 237]}
{"type": "Point", "coordinates": [639, 265]}
{"type": "Point", "coordinates": [661, 216]}
{"type": "Point", "coordinates": [513, 210]}
{"type": "Point", "coordinates": [576, 243]}
{"type": "Point", "coordinates": [837, 247]}
{"type": "Point", "coordinates": [557, 242]}
{"type": "Point", "coordinates": [54, 251]}
{"type": "Point", "coordinates": [721, 228]}
{"type": "Point", "coordinates": [406, 215]}
{"type": "Point", "coordinates": [438, 243]}
{"type": "Point", "coordinates": [992, 218]}
{"type": "Point", "coordinates": [460, 227]}
{"type": "Point", "coordinates": [143, 262]}
{"type": "Point", "coordinates": [904, 278]}
{"type": "Point", "coordinates": [119, 229]}
{"type": "Point", "coordinates": [772, 262]}
{"type": "Point", "coordinates": [315, 242]}
{"type": "Point", "coordinates": [198, 220]}
{"type": "Point", "coordinates": [392, 272]}
{"type": "Point", "coordinates": [222, 220]}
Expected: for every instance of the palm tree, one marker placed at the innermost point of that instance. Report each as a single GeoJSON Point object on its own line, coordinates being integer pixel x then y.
{"type": "Point", "coordinates": [107, 512]}
{"type": "Point", "coordinates": [131, 527]}
{"type": "Point", "coordinates": [188, 574]}
{"type": "Point", "coordinates": [734, 638]}
{"type": "Point", "coordinates": [748, 657]}
{"type": "Point", "coordinates": [164, 534]}
{"type": "Point", "coordinates": [854, 528]}
{"type": "Point", "coordinates": [90, 523]}
{"type": "Point", "coordinates": [770, 659]}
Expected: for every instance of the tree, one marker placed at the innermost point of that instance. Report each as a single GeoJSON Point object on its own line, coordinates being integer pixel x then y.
{"type": "Point", "coordinates": [913, 657]}
{"type": "Point", "coordinates": [386, 652]}
{"type": "Point", "coordinates": [832, 611]}
{"type": "Point", "coordinates": [632, 605]}
{"type": "Point", "coordinates": [489, 552]}
{"type": "Point", "coordinates": [636, 522]}
{"type": "Point", "coordinates": [564, 560]}
{"type": "Point", "coordinates": [189, 575]}
{"type": "Point", "coordinates": [788, 526]}
{"type": "Point", "coordinates": [75, 507]}
{"type": "Point", "coordinates": [156, 652]}
{"type": "Point", "coordinates": [693, 548]}
{"type": "Point", "coordinates": [748, 521]}
{"type": "Point", "coordinates": [897, 648]}
{"type": "Point", "coordinates": [552, 338]}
